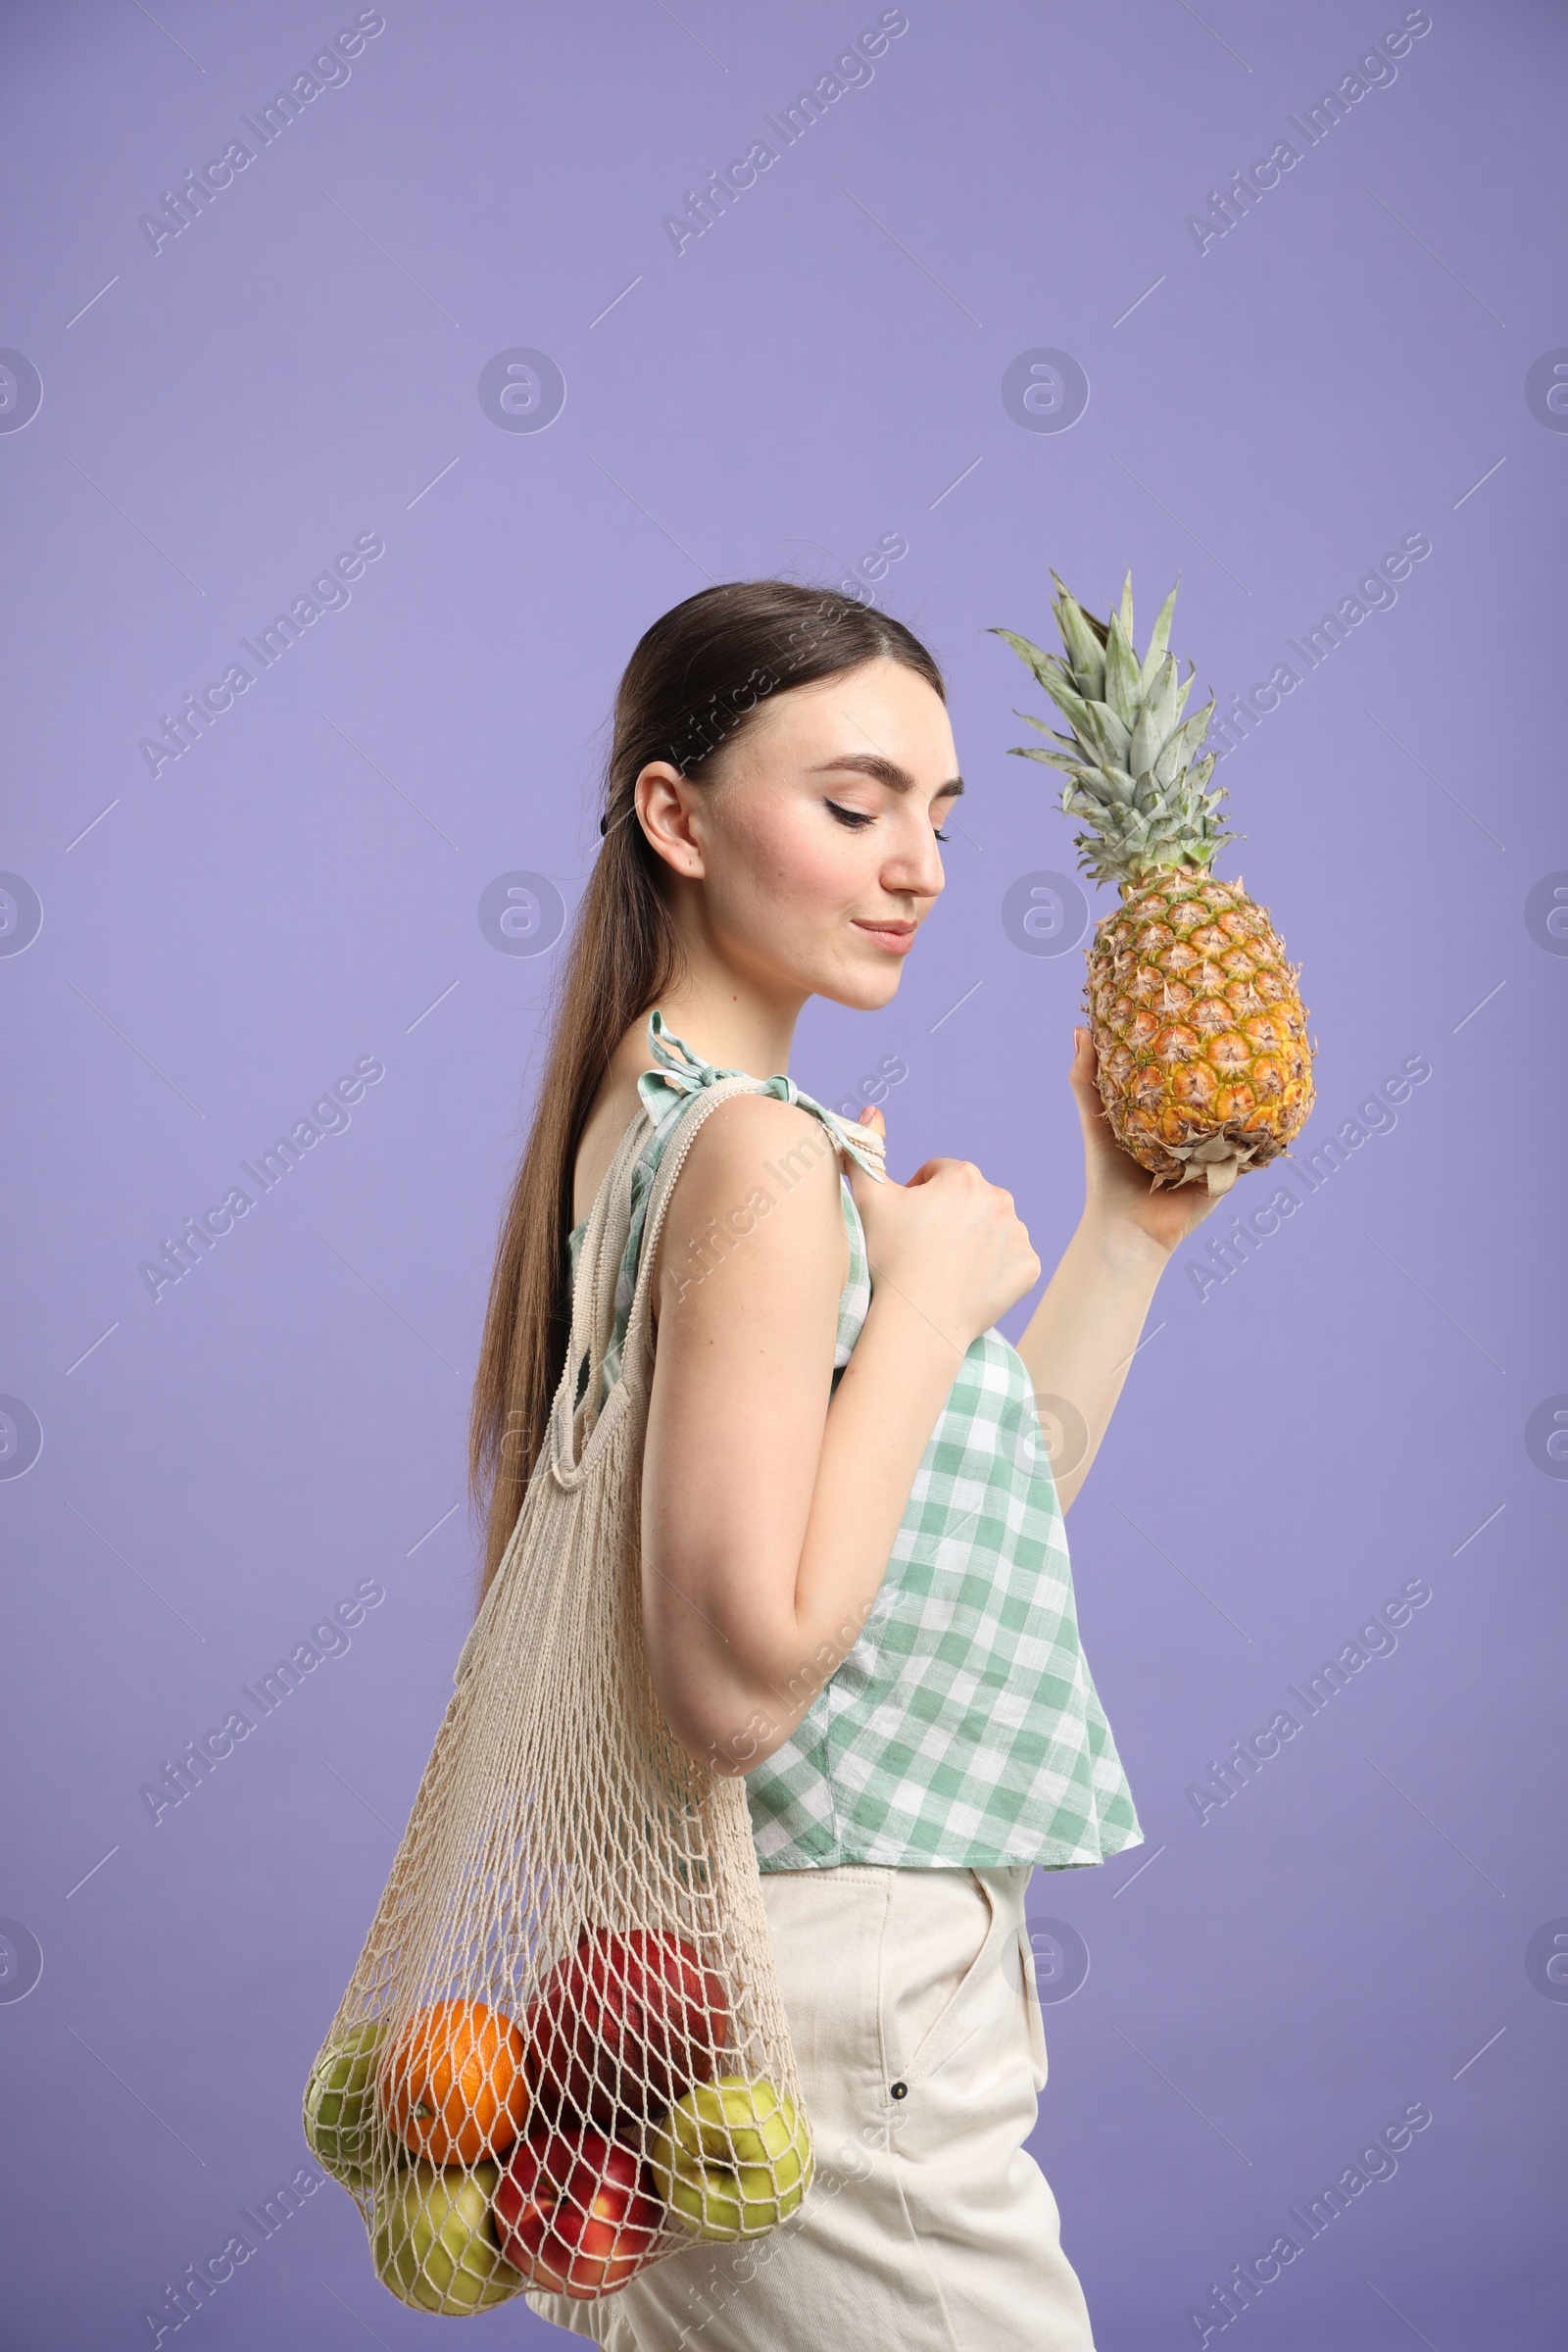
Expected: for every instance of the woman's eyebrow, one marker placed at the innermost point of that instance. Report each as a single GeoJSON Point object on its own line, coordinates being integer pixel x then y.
{"type": "Point", "coordinates": [885, 771]}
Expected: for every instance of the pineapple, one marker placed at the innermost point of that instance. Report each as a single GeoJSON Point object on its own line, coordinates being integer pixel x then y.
{"type": "Point", "coordinates": [1199, 1031]}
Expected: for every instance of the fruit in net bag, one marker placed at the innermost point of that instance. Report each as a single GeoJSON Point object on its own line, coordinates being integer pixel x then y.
{"type": "Point", "coordinates": [732, 2158]}
{"type": "Point", "coordinates": [623, 2025]}
{"type": "Point", "coordinates": [340, 2117]}
{"type": "Point", "coordinates": [573, 1935]}
{"type": "Point", "coordinates": [573, 2215]}
{"type": "Point", "coordinates": [1200, 1032]}
{"type": "Point", "coordinates": [436, 2245]}
{"type": "Point", "coordinates": [454, 2090]}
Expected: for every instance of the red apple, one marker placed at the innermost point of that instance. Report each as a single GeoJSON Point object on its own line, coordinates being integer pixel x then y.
{"type": "Point", "coordinates": [625, 2025]}
{"type": "Point", "coordinates": [572, 2214]}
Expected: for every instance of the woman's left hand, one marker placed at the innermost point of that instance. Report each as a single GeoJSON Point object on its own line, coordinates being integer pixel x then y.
{"type": "Point", "coordinates": [1119, 1194]}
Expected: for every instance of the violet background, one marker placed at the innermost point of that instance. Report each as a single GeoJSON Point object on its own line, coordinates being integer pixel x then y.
{"type": "Point", "coordinates": [813, 374]}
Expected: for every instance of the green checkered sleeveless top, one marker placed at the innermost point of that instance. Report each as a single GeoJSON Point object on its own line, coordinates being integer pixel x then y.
{"type": "Point", "coordinates": [963, 1729]}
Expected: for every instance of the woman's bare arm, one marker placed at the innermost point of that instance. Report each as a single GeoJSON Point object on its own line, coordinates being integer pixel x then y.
{"type": "Point", "coordinates": [1084, 1334]}
{"type": "Point", "coordinates": [769, 1504]}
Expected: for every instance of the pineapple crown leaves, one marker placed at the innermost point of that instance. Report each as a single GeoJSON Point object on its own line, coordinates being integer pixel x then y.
{"type": "Point", "coordinates": [1132, 760]}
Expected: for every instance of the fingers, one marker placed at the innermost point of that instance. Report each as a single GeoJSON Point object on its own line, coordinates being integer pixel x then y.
{"type": "Point", "coordinates": [1085, 1062]}
{"type": "Point", "coordinates": [864, 1186]}
{"type": "Point", "coordinates": [934, 1167]}
{"type": "Point", "coordinates": [956, 1169]}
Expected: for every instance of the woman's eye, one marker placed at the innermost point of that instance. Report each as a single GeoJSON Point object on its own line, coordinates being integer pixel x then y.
{"type": "Point", "coordinates": [940, 836]}
{"type": "Point", "coordinates": [850, 816]}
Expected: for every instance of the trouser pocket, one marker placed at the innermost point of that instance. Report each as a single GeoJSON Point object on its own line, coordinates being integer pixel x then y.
{"type": "Point", "coordinates": [985, 1932]}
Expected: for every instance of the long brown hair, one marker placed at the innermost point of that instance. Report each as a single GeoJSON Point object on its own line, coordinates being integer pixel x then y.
{"type": "Point", "coordinates": [691, 685]}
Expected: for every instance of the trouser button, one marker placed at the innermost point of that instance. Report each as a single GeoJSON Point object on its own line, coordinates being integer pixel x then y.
{"type": "Point", "coordinates": [900, 2090]}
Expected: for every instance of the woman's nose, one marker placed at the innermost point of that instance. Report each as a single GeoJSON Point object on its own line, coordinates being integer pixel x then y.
{"type": "Point", "coordinates": [915, 867]}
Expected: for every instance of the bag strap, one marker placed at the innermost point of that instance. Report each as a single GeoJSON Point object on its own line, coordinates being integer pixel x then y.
{"type": "Point", "coordinates": [574, 1412]}
{"type": "Point", "coordinates": [598, 1276]}
{"type": "Point", "coordinates": [593, 1310]}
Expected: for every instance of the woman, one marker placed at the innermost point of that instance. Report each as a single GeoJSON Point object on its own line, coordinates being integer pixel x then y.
{"type": "Point", "coordinates": [856, 1587]}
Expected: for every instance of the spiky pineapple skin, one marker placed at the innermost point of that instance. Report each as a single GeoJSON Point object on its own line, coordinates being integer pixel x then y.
{"type": "Point", "coordinates": [1200, 1032]}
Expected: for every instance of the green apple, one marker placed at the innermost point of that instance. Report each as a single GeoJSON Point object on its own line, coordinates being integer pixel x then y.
{"type": "Point", "coordinates": [731, 2158]}
{"type": "Point", "coordinates": [341, 2127]}
{"type": "Point", "coordinates": [435, 2247]}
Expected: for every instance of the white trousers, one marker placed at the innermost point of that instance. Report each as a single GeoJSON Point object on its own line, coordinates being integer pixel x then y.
{"type": "Point", "coordinates": [916, 2017]}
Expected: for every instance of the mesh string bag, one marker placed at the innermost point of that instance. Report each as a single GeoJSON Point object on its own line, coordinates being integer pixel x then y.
{"type": "Point", "coordinates": [563, 2054]}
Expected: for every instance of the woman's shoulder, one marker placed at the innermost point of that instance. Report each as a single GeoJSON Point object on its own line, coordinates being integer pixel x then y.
{"type": "Point", "coordinates": [751, 1156]}
{"type": "Point", "coordinates": [754, 1145]}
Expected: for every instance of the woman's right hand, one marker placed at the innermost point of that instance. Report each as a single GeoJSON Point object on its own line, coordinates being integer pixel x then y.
{"type": "Point", "coordinates": [948, 1242]}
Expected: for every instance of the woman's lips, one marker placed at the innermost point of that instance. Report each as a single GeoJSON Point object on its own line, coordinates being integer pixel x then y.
{"type": "Point", "coordinates": [896, 938]}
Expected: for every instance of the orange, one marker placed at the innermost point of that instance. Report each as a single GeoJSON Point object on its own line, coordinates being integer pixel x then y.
{"type": "Point", "coordinates": [454, 2088]}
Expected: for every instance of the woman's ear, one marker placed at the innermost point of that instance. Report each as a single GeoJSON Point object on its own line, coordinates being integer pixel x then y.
{"type": "Point", "coordinates": [664, 803]}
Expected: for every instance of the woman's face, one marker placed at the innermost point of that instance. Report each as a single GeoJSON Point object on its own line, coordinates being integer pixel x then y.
{"type": "Point", "coordinates": [811, 857]}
